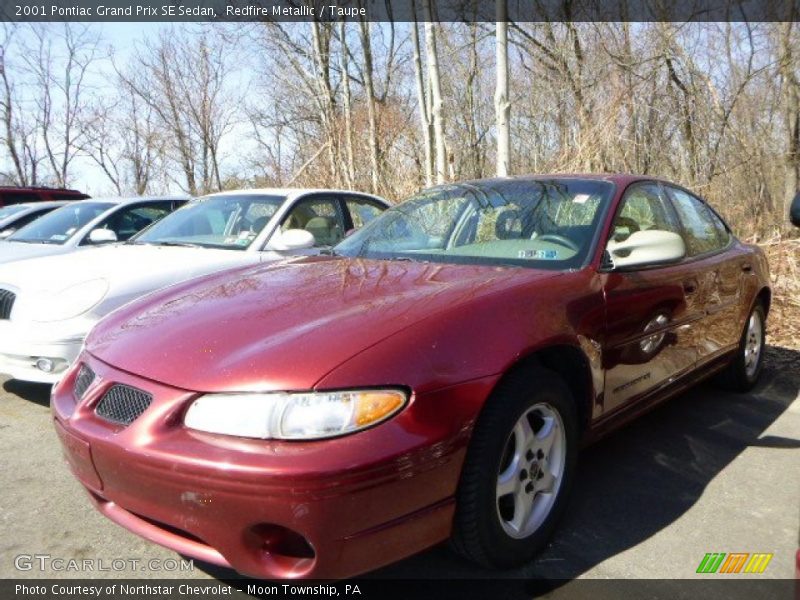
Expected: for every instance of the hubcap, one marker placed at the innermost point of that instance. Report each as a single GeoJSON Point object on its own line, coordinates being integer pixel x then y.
{"type": "Point", "coordinates": [530, 471]}
{"type": "Point", "coordinates": [753, 344]}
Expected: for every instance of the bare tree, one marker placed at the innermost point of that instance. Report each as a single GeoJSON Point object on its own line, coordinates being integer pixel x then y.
{"type": "Point", "coordinates": [502, 103]}
{"type": "Point", "coordinates": [436, 100]}
{"type": "Point", "coordinates": [184, 78]}
{"type": "Point", "coordinates": [60, 60]}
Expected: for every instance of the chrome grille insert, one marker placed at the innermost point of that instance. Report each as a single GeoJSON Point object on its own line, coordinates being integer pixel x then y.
{"type": "Point", "coordinates": [123, 404]}
{"type": "Point", "coordinates": [82, 381]}
{"type": "Point", "coordinates": [7, 298]}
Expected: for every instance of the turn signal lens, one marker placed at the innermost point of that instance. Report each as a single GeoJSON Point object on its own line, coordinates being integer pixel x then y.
{"type": "Point", "coordinates": [372, 407]}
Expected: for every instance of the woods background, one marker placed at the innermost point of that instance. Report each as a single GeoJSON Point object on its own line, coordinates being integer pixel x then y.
{"type": "Point", "coordinates": [394, 107]}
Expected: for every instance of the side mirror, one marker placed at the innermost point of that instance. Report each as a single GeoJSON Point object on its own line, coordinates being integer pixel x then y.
{"type": "Point", "coordinates": [794, 211]}
{"type": "Point", "coordinates": [653, 247]}
{"type": "Point", "coordinates": [6, 232]}
{"type": "Point", "coordinates": [102, 236]}
{"type": "Point", "coordinates": [291, 239]}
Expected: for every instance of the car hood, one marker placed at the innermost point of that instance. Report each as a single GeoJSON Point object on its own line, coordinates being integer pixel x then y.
{"type": "Point", "coordinates": [284, 326]}
{"type": "Point", "coordinates": [14, 251]}
{"type": "Point", "coordinates": [130, 270]}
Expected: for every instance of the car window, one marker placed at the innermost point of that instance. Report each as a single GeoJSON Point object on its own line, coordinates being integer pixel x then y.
{"type": "Point", "coordinates": [230, 221]}
{"type": "Point", "coordinates": [29, 218]}
{"type": "Point", "coordinates": [7, 211]}
{"type": "Point", "coordinates": [547, 223]}
{"type": "Point", "coordinates": [60, 225]}
{"type": "Point", "coordinates": [644, 208]}
{"type": "Point", "coordinates": [129, 221]}
{"type": "Point", "coordinates": [362, 211]}
{"type": "Point", "coordinates": [321, 217]}
{"type": "Point", "coordinates": [700, 225]}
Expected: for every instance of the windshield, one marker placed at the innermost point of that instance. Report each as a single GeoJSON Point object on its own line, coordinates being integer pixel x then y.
{"type": "Point", "coordinates": [230, 222]}
{"type": "Point", "coordinates": [7, 211]}
{"type": "Point", "coordinates": [60, 225]}
{"type": "Point", "coordinates": [547, 224]}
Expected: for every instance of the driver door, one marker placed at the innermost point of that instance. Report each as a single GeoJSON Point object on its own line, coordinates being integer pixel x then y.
{"type": "Point", "coordinates": [653, 312]}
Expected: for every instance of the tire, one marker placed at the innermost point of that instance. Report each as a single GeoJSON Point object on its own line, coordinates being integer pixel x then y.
{"type": "Point", "coordinates": [743, 371]}
{"type": "Point", "coordinates": [487, 528]}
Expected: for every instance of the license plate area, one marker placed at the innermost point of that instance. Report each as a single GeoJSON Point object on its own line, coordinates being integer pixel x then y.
{"type": "Point", "coordinates": [78, 454]}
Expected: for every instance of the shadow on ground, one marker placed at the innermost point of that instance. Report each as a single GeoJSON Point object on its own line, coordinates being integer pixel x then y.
{"type": "Point", "coordinates": [636, 482]}
{"type": "Point", "coordinates": [38, 393]}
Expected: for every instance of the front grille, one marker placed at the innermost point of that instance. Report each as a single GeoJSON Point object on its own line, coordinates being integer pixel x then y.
{"type": "Point", "coordinates": [82, 381]}
{"type": "Point", "coordinates": [7, 298]}
{"type": "Point", "coordinates": [123, 404]}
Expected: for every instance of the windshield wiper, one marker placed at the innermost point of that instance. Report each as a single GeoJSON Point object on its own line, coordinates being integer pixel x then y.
{"type": "Point", "coordinates": [183, 244]}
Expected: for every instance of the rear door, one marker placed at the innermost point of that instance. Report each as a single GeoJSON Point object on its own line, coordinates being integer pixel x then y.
{"type": "Point", "coordinates": [654, 313]}
{"type": "Point", "coordinates": [720, 273]}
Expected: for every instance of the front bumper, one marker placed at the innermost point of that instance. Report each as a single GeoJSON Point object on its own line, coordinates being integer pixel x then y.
{"type": "Point", "coordinates": [271, 509]}
{"type": "Point", "coordinates": [23, 344]}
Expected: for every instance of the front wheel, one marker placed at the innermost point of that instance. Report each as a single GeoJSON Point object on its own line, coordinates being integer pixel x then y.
{"type": "Point", "coordinates": [743, 371]}
{"type": "Point", "coordinates": [518, 470]}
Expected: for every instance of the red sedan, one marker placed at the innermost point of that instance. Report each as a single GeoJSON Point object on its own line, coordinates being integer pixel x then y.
{"type": "Point", "coordinates": [433, 378]}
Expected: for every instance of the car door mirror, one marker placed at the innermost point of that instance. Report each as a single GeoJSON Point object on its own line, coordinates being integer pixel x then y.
{"type": "Point", "coordinates": [291, 239]}
{"type": "Point", "coordinates": [794, 211]}
{"type": "Point", "coordinates": [102, 236]}
{"type": "Point", "coordinates": [642, 248]}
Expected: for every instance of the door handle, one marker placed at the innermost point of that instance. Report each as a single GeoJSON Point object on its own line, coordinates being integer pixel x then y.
{"type": "Point", "coordinates": [747, 267]}
{"type": "Point", "coordinates": [690, 287]}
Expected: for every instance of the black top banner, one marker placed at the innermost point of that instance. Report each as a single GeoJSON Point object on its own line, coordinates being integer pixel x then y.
{"type": "Point", "coordinates": [400, 10]}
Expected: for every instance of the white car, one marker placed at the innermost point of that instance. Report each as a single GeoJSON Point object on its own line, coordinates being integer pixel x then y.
{"type": "Point", "coordinates": [48, 305]}
{"type": "Point", "coordinates": [85, 224]}
{"type": "Point", "coordinates": [16, 216]}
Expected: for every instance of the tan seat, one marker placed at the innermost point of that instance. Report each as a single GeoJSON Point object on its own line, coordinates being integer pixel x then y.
{"type": "Point", "coordinates": [326, 230]}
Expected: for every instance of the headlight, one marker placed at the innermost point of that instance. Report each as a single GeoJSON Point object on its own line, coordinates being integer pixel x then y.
{"type": "Point", "coordinates": [69, 302]}
{"type": "Point", "coordinates": [293, 416]}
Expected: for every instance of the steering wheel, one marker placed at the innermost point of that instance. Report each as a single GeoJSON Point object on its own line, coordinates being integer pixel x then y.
{"type": "Point", "coordinates": [559, 239]}
{"type": "Point", "coordinates": [627, 222]}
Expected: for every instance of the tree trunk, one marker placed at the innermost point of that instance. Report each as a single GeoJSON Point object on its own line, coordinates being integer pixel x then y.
{"type": "Point", "coordinates": [366, 45]}
{"type": "Point", "coordinates": [502, 104]}
{"type": "Point", "coordinates": [437, 104]}
{"type": "Point", "coordinates": [426, 125]}
{"type": "Point", "coordinates": [350, 171]}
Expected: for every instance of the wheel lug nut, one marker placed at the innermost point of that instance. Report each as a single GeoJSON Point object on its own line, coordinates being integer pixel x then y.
{"type": "Point", "coordinates": [529, 488]}
{"type": "Point", "coordinates": [529, 455]}
{"type": "Point", "coordinates": [523, 475]}
{"type": "Point", "coordinates": [540, 454]}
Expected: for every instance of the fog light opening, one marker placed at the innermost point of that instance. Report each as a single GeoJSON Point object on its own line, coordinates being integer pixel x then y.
{"type": "Point", "coordinates": [45, 364]}
{"type": "Point", "coordinates": [50, 365]}
{"type": "Point", "coordinates": [288, 551]}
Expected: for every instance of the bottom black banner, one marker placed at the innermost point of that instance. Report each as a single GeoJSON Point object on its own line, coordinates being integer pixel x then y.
{"type": "Point", "coordinates": [378, 589]}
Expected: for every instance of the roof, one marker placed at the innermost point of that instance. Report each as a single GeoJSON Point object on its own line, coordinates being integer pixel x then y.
{"type": "Point", "coordinates": [617, 178]}
{"type": "Point", "coordinates": [36, 188]}
{"type": "Point", "coordinates": [131, 199]}
{"type": "Point", "coordinates": [45, 204]}
{"type": "Point", "coordinates": [291, 192]}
